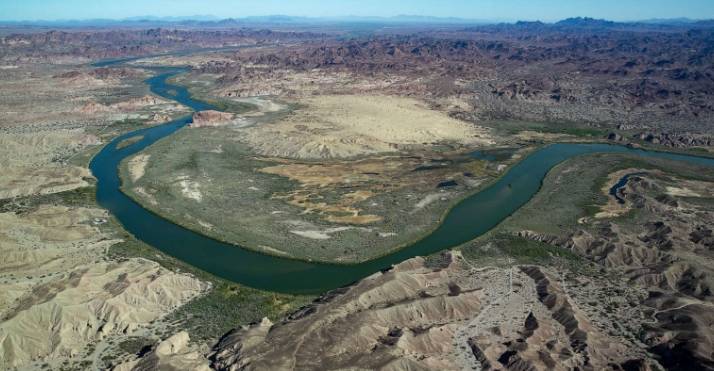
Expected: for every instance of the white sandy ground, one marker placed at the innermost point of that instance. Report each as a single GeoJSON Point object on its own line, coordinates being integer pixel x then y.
{"type": "Point", "coordinates": [146, 195]}
{"type": "Point", "coordinates": [320, 234]}
{"type": "Point", "coordinates": [341, 126]}
{"type": "Point", "coordinates": [191, 189]}
{"type": "Point", "coordinates": [312, 231]}
{"type": "Point", "coordinates": [429, 199]}
{"type": "Point", "coordinates": [137, 166]}
{"type": "Point", "coordinates": [681, 192]}
{"type": "Point", "coordinates": [206, 225]}
{"type": "Point", "coordinates": [264, 105]}
{"type": "Point", "coordinates": [690, 188]}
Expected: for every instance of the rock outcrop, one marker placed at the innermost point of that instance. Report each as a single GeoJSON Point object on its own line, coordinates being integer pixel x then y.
{"type": "Point", "coordinates": [58, 294]}
{"type": "Point", "coordinates": [677, 140]}
{"type": "Point", "coordinates": [447, 317]}
{"type": "Point", "coordinates": [211, 118]}
{"type": "Point", "coordinates": [174, 353]}
{"type": "Point", "coordinates": [668, 251]}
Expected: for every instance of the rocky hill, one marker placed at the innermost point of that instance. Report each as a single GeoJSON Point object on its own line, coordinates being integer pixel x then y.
{"type": "Point", "coordinates": [606, 77]}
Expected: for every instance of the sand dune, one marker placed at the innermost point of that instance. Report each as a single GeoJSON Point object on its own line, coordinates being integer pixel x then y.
{"type": "Point", "coordinates": [340, 126]}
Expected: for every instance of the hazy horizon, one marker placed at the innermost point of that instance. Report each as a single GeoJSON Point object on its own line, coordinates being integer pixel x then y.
{"type": "Point", "coordinates": [485, 10]}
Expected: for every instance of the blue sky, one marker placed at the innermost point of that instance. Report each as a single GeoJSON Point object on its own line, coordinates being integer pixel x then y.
{"type": "Point", "coordinates": [546, 10]}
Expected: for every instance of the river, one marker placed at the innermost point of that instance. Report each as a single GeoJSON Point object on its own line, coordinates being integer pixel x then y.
{"type": "Point", "coordinates": [469, 219]}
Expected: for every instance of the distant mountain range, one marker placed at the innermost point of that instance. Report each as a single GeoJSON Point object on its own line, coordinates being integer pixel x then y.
{"type": "Point", "coordinates": [205, 18]}
{"type": "Point", "coordinates": [213, 21]}
{"type": "Point", "coordinates": [209, 20]}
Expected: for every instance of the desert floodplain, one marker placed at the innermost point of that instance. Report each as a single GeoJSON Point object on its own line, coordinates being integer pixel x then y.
{"type": "Point", "coordinates": [331, 149]}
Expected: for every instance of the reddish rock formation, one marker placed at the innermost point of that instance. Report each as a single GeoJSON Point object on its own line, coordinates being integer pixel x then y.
{"type": "Point", "coordinates": [211, 118]}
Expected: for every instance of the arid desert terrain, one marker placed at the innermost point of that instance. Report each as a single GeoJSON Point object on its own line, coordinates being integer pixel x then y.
{"type": "Point", "coordinates": [345, 146]}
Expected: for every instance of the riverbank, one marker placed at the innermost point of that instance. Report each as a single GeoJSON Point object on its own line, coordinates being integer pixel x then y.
{"type": "Point", "coordinates": [286, 275]}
